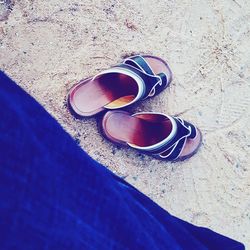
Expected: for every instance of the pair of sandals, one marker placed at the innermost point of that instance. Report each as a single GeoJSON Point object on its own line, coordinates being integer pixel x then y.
{"type": "Point", "coordinates": [136, 78]}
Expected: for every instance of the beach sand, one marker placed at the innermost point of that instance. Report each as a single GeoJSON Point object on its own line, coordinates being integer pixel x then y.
{"type": "Point", "coordinates": [47, 46]}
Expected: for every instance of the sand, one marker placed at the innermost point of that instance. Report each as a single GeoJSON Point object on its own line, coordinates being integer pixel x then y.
{"type": "Point", "coordinates": [47, 46]}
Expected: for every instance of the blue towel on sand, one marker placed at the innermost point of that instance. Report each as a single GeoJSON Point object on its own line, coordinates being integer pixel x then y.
{"type": "Point", "coordinates": [54, 196]}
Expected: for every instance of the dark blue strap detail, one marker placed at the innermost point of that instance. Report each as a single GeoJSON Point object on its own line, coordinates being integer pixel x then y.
{"type": "Point", "coordinates": [164, 79]}
{"type": "Point", "coordinates": [163, 84]}
{"type": "Point", "coordinates": [184, 131]}
{"type": "Point", "coordinates": [181, 143]}
{"type": "Point", "coordinates": [181, 132]}
{"type": "Point", "coordinates": [149, 80]}
{"type": "Point", "coordinates": [140, 63]}
{"type": "Point", "coordinates": [193, 129]}
{"type": "Point", "coordinates": [176, 152]}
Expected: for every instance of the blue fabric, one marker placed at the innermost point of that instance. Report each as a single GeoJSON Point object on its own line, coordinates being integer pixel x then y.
{"type": "Point", "coordinates": [54, 196]}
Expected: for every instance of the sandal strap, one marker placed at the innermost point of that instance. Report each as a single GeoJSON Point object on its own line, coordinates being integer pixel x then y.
{"type": "Point", "coordinates": [149, 81]}
{"type": "Point", "coordinates": [173, 152]}
{"type": "Point", "coordinates": [141, 64]}
{"type": "Point", "coordinates": [172, 148]}
{"type": "Point", "coordinates": [181, 132]}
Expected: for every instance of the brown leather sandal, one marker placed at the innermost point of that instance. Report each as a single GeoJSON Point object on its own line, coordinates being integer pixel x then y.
{"type": "Point", "coordinates": [162, 136]}
{"type": "Point", "coordinates": [137, 78]}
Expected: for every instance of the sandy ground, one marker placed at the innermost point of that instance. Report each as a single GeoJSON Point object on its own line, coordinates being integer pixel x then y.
{"type": "Point", "coordinates": [46, 46]}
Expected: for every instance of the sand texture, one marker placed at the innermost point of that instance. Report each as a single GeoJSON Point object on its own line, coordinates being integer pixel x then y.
{"type": "Point", "coordinates": [47, 46]}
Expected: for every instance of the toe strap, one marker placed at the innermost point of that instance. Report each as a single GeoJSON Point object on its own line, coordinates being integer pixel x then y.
{"type": "Point", "coordinates": [141, 64]}
{"type": "Point", "coordinates": [172, 146]}
{"type": "Point", "coordinates": [173, 152]}
{"type": "Point", "coordinates": [190, 126]}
